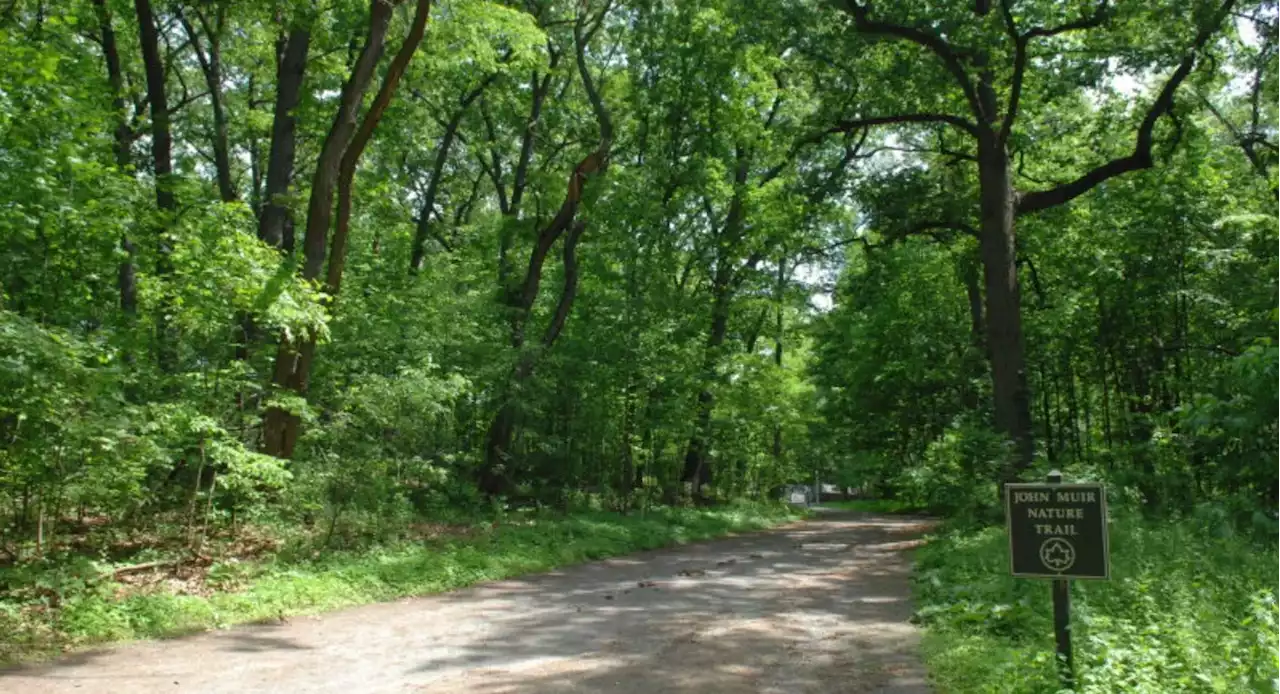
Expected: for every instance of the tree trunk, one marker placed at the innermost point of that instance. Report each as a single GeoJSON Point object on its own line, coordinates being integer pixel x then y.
{"type": "Point", "coordinates": [351, 157]}
{"type": "Point", "coordinates": [211, 66]}
{"type": "Point", "coordinates": [255, 152]}
{"type": "Point", "coordinates": [628, 472]}
{"type": "Point", "coordinates": [289, 73]}
{"type": "Point", "coordinates": [273, 212]}
{"type": "Point", "coordinates": [352, 148]}
{"type": "Point", "coordinates": [779, 295]}
{"type": "Point", "coordinates": [494, 478]}
{"type": "Point", "coordinates": [162, 165]}
{"type": "Point", "coordinates": [1073, 408]}
{"type": "Point", "coordinates": [495, 474]}
{"type": "Point", "coordinates": [697, 467]}
{"type": "Point", "coordinates": [724, 283]}
{"type": "Point", "coordinates": [428, 209]}
{"type": "Point", "coordinates": [976, 359]}
{"type": "Point", "coordinates": [127, 275]}
{"type": "Point", "coordinates": [1004, 311]}
{"type": "Point", "coordinates": [1046, 404]}
{"type": "Point", "coordinates": [977, 326]}
{"type": "Point", "coordinates": [292, 364]}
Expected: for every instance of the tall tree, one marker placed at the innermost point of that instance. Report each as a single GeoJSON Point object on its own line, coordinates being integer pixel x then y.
{"type": "Point", "coordinates": [347, 144]}
{"type": "Point", "coordinates": [161, 168]}
{"type": "Point", "coordinates": [209, 55]}
{"type": "Point", "coordinates": [293, 357]}
{"type": "Point", "coordinates": [123, 137]}
{"type": "Point", "coordinates": [968, 57]}
{"type": "Point", "coordinates": [520, 299]}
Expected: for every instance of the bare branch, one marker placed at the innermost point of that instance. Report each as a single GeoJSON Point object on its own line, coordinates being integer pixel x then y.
{"type": "Point", "coordinates": [186, 100]}
{"type": "Point", "coordinates": [777, 102]}
{"type": "Point", "coordinates": [1019, 70]}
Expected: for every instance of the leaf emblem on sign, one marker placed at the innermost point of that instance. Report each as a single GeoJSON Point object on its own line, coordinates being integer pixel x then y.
{"type": "Point", "coordinates": [1057, 554]}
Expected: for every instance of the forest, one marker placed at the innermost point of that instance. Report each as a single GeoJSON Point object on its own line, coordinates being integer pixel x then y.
{"type": "Point", "coordinates": [310, 278]}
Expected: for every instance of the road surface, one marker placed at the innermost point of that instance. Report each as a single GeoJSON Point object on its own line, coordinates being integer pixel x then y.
{"type": "Point", "coordinates": [816, 607]}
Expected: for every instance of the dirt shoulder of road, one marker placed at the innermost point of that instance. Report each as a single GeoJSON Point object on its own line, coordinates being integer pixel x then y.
{"type": "Point", "coordinates": [817, 606]}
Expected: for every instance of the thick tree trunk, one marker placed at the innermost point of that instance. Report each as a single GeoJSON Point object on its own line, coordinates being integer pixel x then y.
{"type": "Point", "coordinates": [162, 166]}
{"type": "Point", "coordinates": [352, 147]}
{"type": "Point", "coordinates": [293, 360]}
{"type": "Point", "coordinates": [347, 169]}
{"type": "Point", "coordinates": [1004, 311]}
{"type": "Point", "coordinates": [284, 123]}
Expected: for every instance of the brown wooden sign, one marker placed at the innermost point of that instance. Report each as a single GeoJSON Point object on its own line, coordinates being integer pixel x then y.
{"type": "Point", "coordinates": [1058, 530]}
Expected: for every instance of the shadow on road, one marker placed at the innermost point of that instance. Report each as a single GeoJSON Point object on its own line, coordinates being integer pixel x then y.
{"type": "Point", "coordinates": [819, 608]}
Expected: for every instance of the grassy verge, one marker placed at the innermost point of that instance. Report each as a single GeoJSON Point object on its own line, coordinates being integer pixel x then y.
{"type": "Point", "coordinates": [1187, 610]}
{"type": "Point", "coordinates": [79, 603]}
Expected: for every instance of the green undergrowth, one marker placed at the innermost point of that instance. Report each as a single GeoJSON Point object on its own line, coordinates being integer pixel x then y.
{"type": "Point", "coordinates": [79, 606]}
{"type": "Point", "coordinates": [1189, 608]}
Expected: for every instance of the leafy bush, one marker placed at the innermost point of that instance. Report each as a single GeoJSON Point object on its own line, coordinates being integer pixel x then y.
{"type": "Point", "coordinates": [1186, 610]}
{"type": "Point", "coordinates": [957, 475]}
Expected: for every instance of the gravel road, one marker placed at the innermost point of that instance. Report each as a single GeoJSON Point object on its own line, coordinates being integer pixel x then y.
{"type": "Point", "coordinates": [820, 606]}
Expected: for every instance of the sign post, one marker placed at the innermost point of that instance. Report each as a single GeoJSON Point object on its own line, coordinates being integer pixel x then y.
{"type": "Point", "coordinates": [1058, 531]}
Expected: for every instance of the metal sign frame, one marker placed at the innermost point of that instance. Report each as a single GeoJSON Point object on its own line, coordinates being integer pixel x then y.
{"type": "Point", "coordinates": [1106, 532]}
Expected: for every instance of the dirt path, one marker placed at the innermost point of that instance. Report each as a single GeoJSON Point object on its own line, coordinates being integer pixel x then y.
{"type": "Point", "coordinates": [817, 607]}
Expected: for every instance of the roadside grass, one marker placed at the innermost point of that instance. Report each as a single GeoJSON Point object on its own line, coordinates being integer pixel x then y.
{"type": "Point", "coordinates": [874, 506]}
{"type": "Point", "coordinates": [46, 610]}
{"type": "Point", "coordinates": [1189, 608]}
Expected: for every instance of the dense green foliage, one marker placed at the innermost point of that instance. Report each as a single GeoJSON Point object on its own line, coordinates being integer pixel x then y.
{"type": "Point", "coordinates": [342, 267]}
{"type": "Point", "coordinates": [1190, 608]}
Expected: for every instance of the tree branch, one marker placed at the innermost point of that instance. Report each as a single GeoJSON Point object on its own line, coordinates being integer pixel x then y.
{"type": "Point", "coordinates": [1020, 42]}
{"type": "Point", "coordinates": [934, 43]}
{"type": "Point", "coordinates": [1041, 301]}
{"type": "Point", "coordinates": [1141, 157]}
{"type": "Point", "coordinates": [955, 121]}
{"type": "Point", "coordinates": [581, 39]}
{"type": "Point", "coordinates": [932, 227]}
{"type": "Point", "coordinates": [1098, 16]}
{"type": "Point", "coordinates": [494, 167]}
